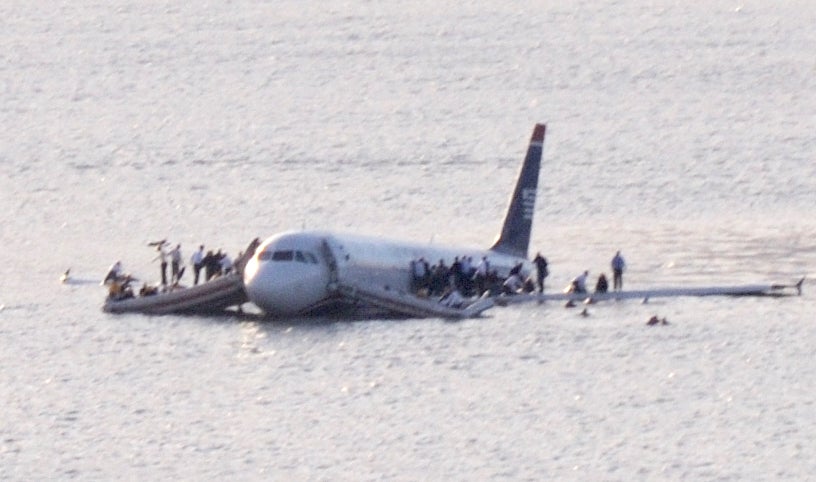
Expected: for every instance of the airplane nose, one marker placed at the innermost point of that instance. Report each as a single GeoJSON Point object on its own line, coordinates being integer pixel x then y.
{"type": "Point", "coordinates": [257, 283]}
{"type": "Point", "coordinates": [284, 287]}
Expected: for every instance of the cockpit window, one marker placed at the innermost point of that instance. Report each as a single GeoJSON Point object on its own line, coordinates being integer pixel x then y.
{"type": "Point", "coordinates": [289, 255]}
{"type": "Point", "coordinates": [305, 257]}
{"type": "Point", "coordinates": [283, 256]}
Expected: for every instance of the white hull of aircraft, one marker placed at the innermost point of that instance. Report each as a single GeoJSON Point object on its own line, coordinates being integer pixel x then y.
{"type": "Point", "coordinates": [302, 273]}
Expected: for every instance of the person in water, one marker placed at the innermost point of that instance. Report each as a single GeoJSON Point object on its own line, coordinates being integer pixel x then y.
{"type": "Point", "coordinates": [655, 321]}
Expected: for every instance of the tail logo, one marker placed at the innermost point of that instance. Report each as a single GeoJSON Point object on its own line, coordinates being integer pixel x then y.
{"type": "Point", "coordinates": [528, 199]}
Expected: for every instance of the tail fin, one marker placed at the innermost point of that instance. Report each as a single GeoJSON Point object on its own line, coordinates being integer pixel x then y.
{"type": "Point", "coordinates": [515, 234]}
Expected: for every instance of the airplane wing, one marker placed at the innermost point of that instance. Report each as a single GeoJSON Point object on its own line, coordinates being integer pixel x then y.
{"type": "Point", "coordinates": [771, 290]}
{"type": "Point", "coordinates": [410, 305]}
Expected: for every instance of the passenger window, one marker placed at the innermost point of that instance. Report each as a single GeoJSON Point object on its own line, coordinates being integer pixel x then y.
{"type": "Point", "coordinates": [299, 257]}
{"type": "Point", "coordinates": [282, 256]}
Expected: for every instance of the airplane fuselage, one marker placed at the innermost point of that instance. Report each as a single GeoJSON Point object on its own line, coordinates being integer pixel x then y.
{"type": "Point", "coordinates": [304, 273]}
{"type": "Point", "coordinates": [297, 273]}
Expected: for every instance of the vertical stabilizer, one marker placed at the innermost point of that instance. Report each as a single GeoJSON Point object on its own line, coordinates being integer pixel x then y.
{"type": "Point", "coordinates": [515, 234]}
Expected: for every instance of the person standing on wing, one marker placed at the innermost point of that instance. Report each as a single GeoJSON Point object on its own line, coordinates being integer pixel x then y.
{"type": "Point", "coordinates": [618, 265]}
{"type": "Point", "coordinates": [542, 271]}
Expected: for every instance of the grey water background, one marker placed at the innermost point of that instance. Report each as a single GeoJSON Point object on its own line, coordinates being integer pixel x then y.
{"type": "Point", "coordinates": [682, 134]}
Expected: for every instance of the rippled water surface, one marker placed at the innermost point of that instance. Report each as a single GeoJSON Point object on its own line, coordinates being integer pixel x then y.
{"type": "Point", "coordinates": [682, 135]}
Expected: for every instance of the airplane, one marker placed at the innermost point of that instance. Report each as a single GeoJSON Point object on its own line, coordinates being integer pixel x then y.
{"type": "Point", "coordinates": [307, 273]}
{"type": "Point", "coordinates": [318, 273]}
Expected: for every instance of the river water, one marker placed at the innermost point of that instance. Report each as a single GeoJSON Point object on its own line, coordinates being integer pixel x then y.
{"type": "Point", "coordinates": [679, 134]}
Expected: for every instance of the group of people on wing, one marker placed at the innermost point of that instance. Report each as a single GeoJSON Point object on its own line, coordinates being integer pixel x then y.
{"type": "Point", "coordinates": [462, 275]}
{"type": "Point", "coordinates": [463, 279]}
{"type": "Point", "coordinates": [467, 279]}
{"type": "Point", "coordinates": [618, 265]}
